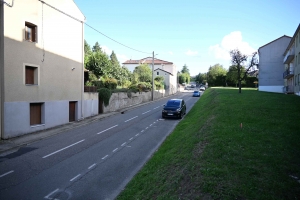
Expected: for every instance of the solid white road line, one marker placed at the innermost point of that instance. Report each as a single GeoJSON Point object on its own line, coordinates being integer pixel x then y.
{"type": "Point", "coordinates": [6, 173]}
{"type": "Point", "coordinates": [115, 149]}
{"type": "Point", "coordinates": [75, 177]}
{"type": "Point", "coordinates": [123, 144]}
{"type": "Point", "coordinates": [62, 149]}
{"type": "Point", "coordinates": [107, 129]}
{"type": "Point", "coordinates": [146, 112]}
{"type": "Point", "coordinates": [104, 157]}
{"type": "Point", "coordinates": [131, 119]}
{"type": "Point", "coordinates": [47, 197]}
{"type": "Point", "coordinates": [90, 167]}
{"type": "Point", "coordinates": [131, 138]}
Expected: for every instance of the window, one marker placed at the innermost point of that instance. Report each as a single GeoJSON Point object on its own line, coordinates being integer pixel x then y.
{"type": "Point", "coordinates": [35, 113]}
{"type": "Point", "coordinates": [31, 75]}
{"type": "Point", "coordinates": [157, 73]}
{"type": "Point", "coordinates": [30, 32]}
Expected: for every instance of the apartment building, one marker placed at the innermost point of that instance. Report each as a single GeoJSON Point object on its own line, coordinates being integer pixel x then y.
{"type": "Point", "coordinates": [270, 65]}
{"type": "Point", "coordinates": [42, 66]}
{"type": "Point", "coordinates": [291, 63]}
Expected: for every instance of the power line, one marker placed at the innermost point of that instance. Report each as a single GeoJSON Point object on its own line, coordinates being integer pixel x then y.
{"type": "Point", "coordinates": [93, 28]}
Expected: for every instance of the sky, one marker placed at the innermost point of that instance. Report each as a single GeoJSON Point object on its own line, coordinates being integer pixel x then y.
{"type": "Point", "coordinates": [195, 33]}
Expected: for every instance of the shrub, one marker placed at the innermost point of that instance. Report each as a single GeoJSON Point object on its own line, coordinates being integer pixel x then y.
{"type": "Point", "coordinates": [105, 95]}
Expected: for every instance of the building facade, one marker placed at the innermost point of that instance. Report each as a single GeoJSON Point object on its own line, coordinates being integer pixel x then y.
{"type": "Point", "coordinates": [42, 67]}
{"type": "Point", "coordinates": [270, 65]}
{"type": "Point", "coordinates": [167, 69]}
{"type": "Point", "coordinates": [291, 63]}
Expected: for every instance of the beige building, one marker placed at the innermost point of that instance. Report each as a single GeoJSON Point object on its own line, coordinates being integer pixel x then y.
{"type": "Point", "coordinates": [166, 69]}
{"type": "Point", "coordinates": [42, 56]}
{"type": "Point", "coordinates": [291, 62]}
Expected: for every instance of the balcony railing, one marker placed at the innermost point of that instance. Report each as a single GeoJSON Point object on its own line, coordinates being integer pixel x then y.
{"type": "Point", "coordinates": [289, 55]}
{"type": "Point", "coordinates": [90, 89]}
{"type": "Point", "coordinates": [288, 74]}
{"type": "Point", "coordinates": [288, 89]}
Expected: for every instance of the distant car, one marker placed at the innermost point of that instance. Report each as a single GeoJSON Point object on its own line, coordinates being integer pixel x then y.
{"type": "Point", "coordinates": [202, 88]}
{"type": "Point", "coordinates": [174, 108]}
{"type": "Point", "coordinates": [196, 93]}
{"type": "Point", "coordinates": [192, 86]}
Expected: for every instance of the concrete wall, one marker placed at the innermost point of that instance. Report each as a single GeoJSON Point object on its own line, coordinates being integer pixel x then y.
{"type": "Point", "coordinates": [91, 104]}
{"type": "Point", "coordinates": [271, 66]}
{"type": "Point", "coordinates": [120, 101]}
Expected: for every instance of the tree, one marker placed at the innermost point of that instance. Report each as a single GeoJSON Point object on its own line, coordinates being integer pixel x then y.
{"type": "Point", "coordinates": [201, 78]}
{"type": "Point", "coordinates": [114, 59]}
{"type": "Point", "coordinates": [216, 75]}
{"type": "Point", "coordinates": [96, 47]}
{"type": "Point", "coordinates": [238, 59]}
{"type": "Point", "coordinates": [87, 48]}
{"type": "Point", "coordinates": [143, 73]}
{"type": "Point", "coordinates": [232, 75]}
{"type": "Point", "coordinates": [185, 69]}
{"type": "Point", "coordinates": [99, 64]}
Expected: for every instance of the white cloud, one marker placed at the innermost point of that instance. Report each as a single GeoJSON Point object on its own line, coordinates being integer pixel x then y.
{"type": "Point", "coordinates": [122, 58]}
{"type": "Point", "coordinates": [229, 42]}
{"type": "Point", "coordinates": [106, 50]}
{"type": "Point", "coordinates": [191, 53]}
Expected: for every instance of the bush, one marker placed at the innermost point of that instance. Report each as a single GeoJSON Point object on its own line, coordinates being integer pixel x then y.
{"type": "Point", "coordinates": [105, 95]}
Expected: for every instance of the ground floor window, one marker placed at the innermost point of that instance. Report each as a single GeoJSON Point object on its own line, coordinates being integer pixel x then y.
{"type": "Point", "coordinates": [35, 113]}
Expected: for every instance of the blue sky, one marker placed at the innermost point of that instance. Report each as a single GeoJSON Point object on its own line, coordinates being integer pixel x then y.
{"type": "Point", "coordinates": [192, 32]}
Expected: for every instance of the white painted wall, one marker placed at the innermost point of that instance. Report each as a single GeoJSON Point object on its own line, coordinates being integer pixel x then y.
{"type": "Point", "coordinates": [276, 89]}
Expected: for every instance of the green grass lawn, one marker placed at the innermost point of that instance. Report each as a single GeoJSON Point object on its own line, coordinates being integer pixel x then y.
{"type": "Point", "coordinates": [209, 155]}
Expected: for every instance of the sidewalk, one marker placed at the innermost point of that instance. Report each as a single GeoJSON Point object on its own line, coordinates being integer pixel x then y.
{"type": "Point", "coordinates": [13, 144]}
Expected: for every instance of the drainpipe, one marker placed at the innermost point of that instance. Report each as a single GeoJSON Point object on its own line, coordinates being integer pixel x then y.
{"type": "Point", "coordinates": [82, 75]}
{"type": "Point", "coordinates": [2, 70]}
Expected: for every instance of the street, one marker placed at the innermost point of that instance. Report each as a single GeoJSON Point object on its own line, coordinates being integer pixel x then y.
{"type": "Point", "coordinates": [94, 161]}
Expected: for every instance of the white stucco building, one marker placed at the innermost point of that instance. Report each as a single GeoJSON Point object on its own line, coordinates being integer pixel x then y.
{"type": "Point", "coordinates": [42, 66]}
{"type": "Point", "coordinates": [165, 68]}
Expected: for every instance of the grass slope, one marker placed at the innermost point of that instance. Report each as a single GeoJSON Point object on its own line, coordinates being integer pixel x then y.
{"type": "Point", "coordinates": [209, 156]}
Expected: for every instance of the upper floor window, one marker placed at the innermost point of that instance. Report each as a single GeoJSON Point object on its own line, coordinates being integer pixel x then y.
{"type": "Point", "coordinates": [30, 32]}
{"type": "Point", "coordinates": [31, 75]}
{"type": "Point", "coordinates": [157, 73]}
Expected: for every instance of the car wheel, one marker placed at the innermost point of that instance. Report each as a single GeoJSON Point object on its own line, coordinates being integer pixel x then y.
{"type": "Point", "coordinates": [181, 115]}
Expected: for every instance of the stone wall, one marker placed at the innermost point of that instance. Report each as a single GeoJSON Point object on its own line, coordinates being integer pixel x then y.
{"type": "Point", "coordinates": [122, 100]}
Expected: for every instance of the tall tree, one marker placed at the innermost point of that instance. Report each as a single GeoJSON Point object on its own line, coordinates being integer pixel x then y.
{"type": "Point", "coordinates": [87, 48]}
{"type": "Point", "coordinates": [232, 75]}
{"type": "Point", "coordinates": [99, 64]}
{"type": "Point", "coordinates": [201, 78]}
{"type": "Point", "coordinates": [114, 59]}
{"type": "Point", "coordinates": [238, 59]}
{"type": "Point", "coordinates": [185, 69]}
{"type": "Point", "coordinates": [96, 47]}
{"type": "Point", "coordinates": [143, 72]}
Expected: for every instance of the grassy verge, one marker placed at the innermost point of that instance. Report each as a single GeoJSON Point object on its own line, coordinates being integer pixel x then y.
{"type": "Point", "coordinates": [209, 156]}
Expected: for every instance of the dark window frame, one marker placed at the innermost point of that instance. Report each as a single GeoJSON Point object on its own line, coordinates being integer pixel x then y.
{"type": "Point", "coordinates": [30, 32]}
{"type": "Point", "coordinates": [35, 113]}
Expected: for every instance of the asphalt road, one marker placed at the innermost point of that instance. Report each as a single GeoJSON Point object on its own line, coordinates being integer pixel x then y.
{"type": "Point", "coordinates": [94, 161]}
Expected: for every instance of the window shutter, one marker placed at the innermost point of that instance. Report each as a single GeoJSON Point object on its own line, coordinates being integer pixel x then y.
{"type": "Point", "coordinates": [35, 113]}
{"type": "Point", "coordinates": [29, 75]}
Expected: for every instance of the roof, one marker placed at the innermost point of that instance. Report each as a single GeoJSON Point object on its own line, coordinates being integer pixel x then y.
{"type": "Point", "coordinates": [274, 41]}
{"type": "Point", "coordinates": [148, 60]}
{"type": "Point", "coordinates": [292, 40]}
{"type": "Point", "coordinates": [163, 71]}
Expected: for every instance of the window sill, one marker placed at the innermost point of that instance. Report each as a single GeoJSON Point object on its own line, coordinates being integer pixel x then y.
{"type": "Point", "coordinates": [36, 125]}
{"type": "Point", "coordinates": [31, 84]}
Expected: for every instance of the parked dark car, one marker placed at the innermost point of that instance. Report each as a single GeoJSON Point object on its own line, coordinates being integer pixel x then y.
{"type": "Point", "coordinates": [196, 93]}
{"type": "Point", "coordinates": [174, 108]}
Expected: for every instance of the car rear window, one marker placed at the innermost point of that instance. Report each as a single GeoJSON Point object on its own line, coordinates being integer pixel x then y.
{"type": "Point", "coordinates": [173, 103]}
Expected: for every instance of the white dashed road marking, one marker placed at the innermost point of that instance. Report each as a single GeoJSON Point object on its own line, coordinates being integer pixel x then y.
{"type": "Point", "coordinates": [90, 167]}
{"type": "Point", "coordinates": [146, 112]}
{"type": "Point", "coordinates": [131, 119]}
{"type": "Point", "coordinates": [104, 157]}
{"type": "Point", "coordinates": [108, 129]}
{"type": "Point", "coordinates": [115, 149]}
{"type": "Point", "coordinates": [62, 149]}
{"type": "Point", "coordinates": [75, 177]}
{"type": "Point", "coordinates": [6, 173]}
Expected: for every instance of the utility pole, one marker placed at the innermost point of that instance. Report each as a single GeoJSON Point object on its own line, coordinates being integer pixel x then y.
{"type": "Point", "coordinates": [153, 76]}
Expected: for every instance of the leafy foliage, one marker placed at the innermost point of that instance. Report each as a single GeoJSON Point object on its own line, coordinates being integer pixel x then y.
{"type": "Point", "coordinates": [159, 82]}
{"type": "Point", "coordinates": [216, 75]}
{"type": "Point", "coordinates": [105, 95]}
{"type": "Point", "coordinates": [142, 73]}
